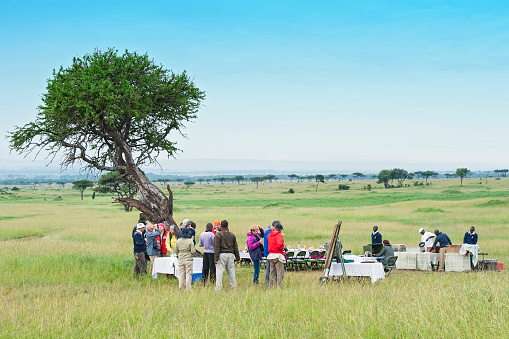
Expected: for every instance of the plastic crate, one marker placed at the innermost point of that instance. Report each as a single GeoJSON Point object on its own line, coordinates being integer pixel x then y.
{"type": "Point", "coordinates": [196, 276]}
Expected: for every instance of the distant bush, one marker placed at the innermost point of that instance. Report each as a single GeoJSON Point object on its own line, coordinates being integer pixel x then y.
{"type": "Point", "coordinates": [493, 203]}
{"type": "Point", "coordinates": [429, 210]}
{"type": "Point", "coordinates": [342, 187]}
{"type": "Point", "coordinates": [14, 189]}
{"type": "Point", "coordinates": [418, 183]}
{"type": "Point", "coordinates": [291, 190]}
{"type": "Point", "coordinates": [497, 178]}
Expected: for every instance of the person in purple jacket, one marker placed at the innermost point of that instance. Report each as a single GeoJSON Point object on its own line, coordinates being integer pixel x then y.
{"type": "Point", "coordinates": [207, 242]}
{"type": "Point", "coordinates": [255, 247]}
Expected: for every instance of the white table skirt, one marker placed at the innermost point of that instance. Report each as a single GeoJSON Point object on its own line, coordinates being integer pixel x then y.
{"type": "Point", "coordinates": [373, 270]}
{"type": "Point", "coordinates": [169, 265]}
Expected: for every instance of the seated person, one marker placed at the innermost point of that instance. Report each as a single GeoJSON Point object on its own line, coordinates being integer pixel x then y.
{"type": "Point", "coordinates": [470, 237]}
{"type": "Point", "coordinates": [386, 252]}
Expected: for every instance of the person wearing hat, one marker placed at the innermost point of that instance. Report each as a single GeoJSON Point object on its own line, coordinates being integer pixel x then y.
{"type": "Point", "coordinates": [269, 229]}
{"type": "Point", "coordinates": [426, 239]}
{"type": "Point", "coordinates": [217, 226]}
{"type": "Point", "coordinates": [140, 264]}
{"type": "Point", "coordinates": [226, 251]}
{"type": "Point", "coordinates": [185, 250]}
{"type": "Point", "coordinates": [276, 256]}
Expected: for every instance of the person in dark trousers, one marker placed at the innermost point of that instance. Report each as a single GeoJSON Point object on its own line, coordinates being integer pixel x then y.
{"type": "Point", "coordinates": [470, 237]}
{"type": "Point", "coordinates": [266, 250]}
{"type": "Point", "coordinates": [139, 242]}
{"type": "Point", "coordinates": [207, 242]}
{"type": "Point", "coordinates": [444, 241]}
{"type": "Point", "coordinates": [255, 247]}
{"type": "Point", "coordinates": [376, 237]}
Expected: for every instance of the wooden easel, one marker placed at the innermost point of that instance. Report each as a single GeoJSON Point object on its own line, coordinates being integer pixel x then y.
{"type": "Point", "coordinates": [330, 254]}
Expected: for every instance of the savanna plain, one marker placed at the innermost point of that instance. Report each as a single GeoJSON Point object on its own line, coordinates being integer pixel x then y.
{"type": "Point", "coordinates": [66, 264]}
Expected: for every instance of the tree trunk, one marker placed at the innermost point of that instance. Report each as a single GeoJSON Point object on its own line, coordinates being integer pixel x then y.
{"type": "Point", "coordinates": [82, 195]}
{"type": "Point", "coordinates": [151, 200]}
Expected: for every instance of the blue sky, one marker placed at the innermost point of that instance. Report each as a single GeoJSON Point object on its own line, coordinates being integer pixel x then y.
{"type": "Point", "coordinates": [352, 81]}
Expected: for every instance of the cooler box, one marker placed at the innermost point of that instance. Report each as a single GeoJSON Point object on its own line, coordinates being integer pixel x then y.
{"type": "Point", "coordinates": [500, 266]}
{"type": "Point", "coordinates": [196, 276]}
{"type": "Point", "coordinates": [454, 262]}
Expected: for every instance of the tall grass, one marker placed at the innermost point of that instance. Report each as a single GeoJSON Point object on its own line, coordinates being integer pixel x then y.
{"type": "Point", "coordinates": [74, 277]}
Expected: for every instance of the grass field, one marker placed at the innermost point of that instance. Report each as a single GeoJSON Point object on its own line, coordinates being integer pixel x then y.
{"type": "Point", "coordinates": [67, 265]}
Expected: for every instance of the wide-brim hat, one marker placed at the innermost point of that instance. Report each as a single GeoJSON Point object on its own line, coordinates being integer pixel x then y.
{"type": "Point", "coordinates": [186, 233]}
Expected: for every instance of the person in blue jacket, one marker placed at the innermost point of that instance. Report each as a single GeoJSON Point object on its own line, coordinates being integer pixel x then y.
{"type": "Point", "coordinates": [139, 242]}
{"type": "Point", "coordinates": [376, 237]}
{"type": "Point", "coordinates": [470, 237]}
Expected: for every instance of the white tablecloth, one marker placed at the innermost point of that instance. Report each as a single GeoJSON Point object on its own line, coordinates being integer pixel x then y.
{"type": "Point", "coordinates": [244, 255]}
{"type": "Point", "coordinates": [169, 265]}
{"type": "Point", "coordinates": [373, 270]}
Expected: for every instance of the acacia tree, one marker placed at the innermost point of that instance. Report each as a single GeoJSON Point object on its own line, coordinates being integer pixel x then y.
{"type": "Point", "coordinates": [462, 173]}
{"type": "Point", "coordinates": [112, 112]}
{"type": "Point", "coordinates": [82, 185]}
{"type": "Point", "coordinates": [319, 178]}
{"type": "Point", "coordinates": [113, 182]}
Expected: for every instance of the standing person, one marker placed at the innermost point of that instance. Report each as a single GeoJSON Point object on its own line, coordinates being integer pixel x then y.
{"type": "Point", "coordinates": [276, 256]}
{"type": "Point", "coordinates": [171, 239]}
{"type": "Point", "coordinates": [255, 247]}
{"type": "Point", "coordinates": [226, 251]}
{"type": "Point", "coordinates": [376, 237]}
{"type": "Point", "coordinates": [207, 242]}
{"type": "Point", "coordinates": [139, 242]}
{"type": "Point", "coordinates": [426, 238]}
{"type": "Point", "coordinates": [152, 249]}
{"type": "Point", "coordinates": [266, 249]}
{"type": "Point", "coordinates": [444, 241]}
{"type": "Point", "coordinates": [470, 237]}
{"type": "Point", "coordinates": [192, 228]}
{"type": "Point", "coordinates": [161, 240]}
{"type": "Point", "coordinates": [185, 250]}
{"type": "Point", "coordinates": [217, 226]}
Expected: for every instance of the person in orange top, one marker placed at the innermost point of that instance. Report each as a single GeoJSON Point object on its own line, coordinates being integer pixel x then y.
{"type": "Point", "coordinates": [217, 225]}
{"type": "Point", "coordinates": [276, 256]}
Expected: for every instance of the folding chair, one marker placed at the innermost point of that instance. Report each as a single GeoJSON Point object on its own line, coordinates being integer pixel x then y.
{"type": "Point", "coordinates": [290, 261]}
{"type": "Point", "coordinates": [391, 264]}
{"type": "Point", "coordinates": [300, 260]}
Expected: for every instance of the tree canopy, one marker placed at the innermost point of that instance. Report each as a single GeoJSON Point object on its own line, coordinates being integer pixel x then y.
{"type": "Point", "coordinates": [114, 183]}
{"type": "Point", "coordinates": [82, 185]}
{"type": "Point", "coordinates": [462, 173]}
{"type": "Point", "coordinates": [113, 112]}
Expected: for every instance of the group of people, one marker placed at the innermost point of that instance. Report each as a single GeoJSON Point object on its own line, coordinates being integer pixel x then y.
{"type": "Point", "coordinates": [220, 251]}
{"type": "Point", "coordinates": [429, 242]}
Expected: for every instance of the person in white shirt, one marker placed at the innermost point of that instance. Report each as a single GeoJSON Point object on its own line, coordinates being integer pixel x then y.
{"type": "Point", "coordinates": [426, 238]}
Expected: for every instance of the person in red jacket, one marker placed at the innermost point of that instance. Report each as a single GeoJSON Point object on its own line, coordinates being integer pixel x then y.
{"type": "Point", "coordinates": [161, 240]}
{"type": "Point", "coordinates": [276, 256]}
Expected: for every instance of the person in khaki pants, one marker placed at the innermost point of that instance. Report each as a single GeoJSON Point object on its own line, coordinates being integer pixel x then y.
{"type": "Point", "coordinates": [185, 250]}
{"type": "Point", "coordinates": [226, 252]}
{"type": "Point", "coordinates": [276, 256]}
{"type": "Point", "coordinates": [444, 241]}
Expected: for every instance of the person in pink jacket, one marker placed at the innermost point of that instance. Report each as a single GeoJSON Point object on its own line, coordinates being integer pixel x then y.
{"type": "Point", "coordinates": [255, 247]}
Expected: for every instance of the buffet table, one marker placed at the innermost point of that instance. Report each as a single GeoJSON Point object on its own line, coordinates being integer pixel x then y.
{"type": "Point", "coordinates": [359, 269]}
{"type": "Point", "coordinates": [169, 265]}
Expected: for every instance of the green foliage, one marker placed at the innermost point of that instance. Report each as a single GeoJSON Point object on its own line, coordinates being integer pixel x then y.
{"type": "Point", "coordinates": [14, 189]}
{"type": "Point", "coordinates": [105, 103]}
{"type": "Point", "coordinates": [82, 185]}
{"type": "Point", "coordinates": [291, 190]}
{"type": "Point", "coordinates": [493, 203]}
{"type": "Point", "coordinates": [429, 210]}
{"type": "Point", "coordinates": [189, 184]}
{"type": "Point", "coordinates": [462, 173]}
{"type": "Point", "coordinates": [451, 192]}
{"type": "Point", "coordinates": [115, 183]}
{"type": "Point", "coordinates": [342, 187]}
{"type": "Point", "coordinates": [418, 183]}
